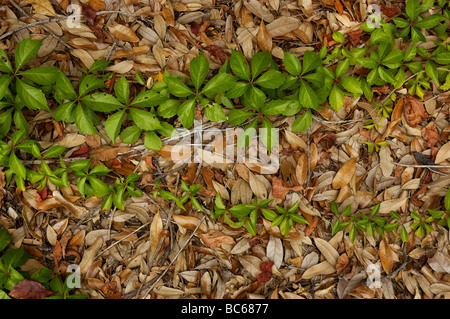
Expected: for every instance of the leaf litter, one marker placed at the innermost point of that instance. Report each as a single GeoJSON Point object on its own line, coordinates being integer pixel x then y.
{"type": "Point", "coordinates": [154, 249]}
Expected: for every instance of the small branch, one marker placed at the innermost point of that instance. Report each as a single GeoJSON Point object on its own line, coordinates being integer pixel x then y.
{"type": "Point", "coordinates": [174, 259]}
{"type": "Point", "coordinates": [82, 220]}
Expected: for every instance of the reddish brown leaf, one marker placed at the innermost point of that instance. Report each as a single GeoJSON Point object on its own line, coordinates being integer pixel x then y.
{"type": "Point", "coordinates": [217, 52]}
{"type": "Point", "coordinates": [110, 291]}
{"type": "Point", "coordinates": [389, 12]}
{"type": "Point", "coordinates": [267, 266]}
{"type": "Point", "coordinates": [29, 289]}
{"type": "Point", "coordinates": [215, 238]}
{"type": "Point", "coordinates": [414, 111]}
{"type": "Point", "coordinates": [88, 12]}
{"type": "Point", "coordinates": [83, 151]}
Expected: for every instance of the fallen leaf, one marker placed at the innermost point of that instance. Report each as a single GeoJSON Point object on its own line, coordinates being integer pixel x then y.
{"type": "Point", "coordinates": [42, 7]}
{"type": "Point", "coordinates": [264, 38]}
{"type": "Point", "coordinates": [414, 111]}
{"type": "Point", "coordinates": [443, 153]}
{"type": "Point", "coordinates": [257, 186]}
{"type": "Point", "coordinates": [275, 251]}
{"type": "Point", "coordinates": [189, 222]}
{"type": "Point", "coordinates": [324, 268]}
{"type": "Point", "coordinates": [215, 238]}
{"type": "Point", "coordinates": [328, 251]}
{"type": "Point", "coordinates": [29, 289]}
{"type": "Point", "coordinates": [345, 174]}
{"type": "Point", "coordinates": [386, 256]}
{"type": "Point", "coordinates": [122, 32]}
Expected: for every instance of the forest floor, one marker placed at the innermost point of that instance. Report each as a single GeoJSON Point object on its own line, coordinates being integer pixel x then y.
{"type": "Point", "coordinates": [154, 249]}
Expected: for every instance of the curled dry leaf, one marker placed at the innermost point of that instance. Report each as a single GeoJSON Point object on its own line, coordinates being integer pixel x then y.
{"type": "Point", "coordinates": [264, 38]}
{"type": "Point", "coordinates": [345, 174]}
{"type": "Point", "coordinates": [443, 153]}
{"type": "Point", "coordinates": [257, 186]}
{"type": "Point", "coordinates": [189, 222]}
{"type": "Point", "coordinates": [328, 251]}
{"type": "Point", "coordinates": [324, 268]}
{"type": "Point", "coordinates": [215, 238]}
{"type": "Point", "coordinates": [252, 264]}
{"type": "Point", "coordinates": [122, 32]}
{"type": "Point", "coordinates": [275, 251]}
{"type": "Point", "coordinates": [76, 211]}
{"type": "Point", "coordinates": [386, 256]}
{"type": "Point", "coordinates": [155, 234]}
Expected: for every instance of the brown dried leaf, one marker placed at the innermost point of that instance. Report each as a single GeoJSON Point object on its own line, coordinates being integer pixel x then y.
{"type": "Point", "coordinates": [345, 174]}
{"type": "Point", "coordinates": [189, 222]}
{"type": "Point", "coordinates": [122, 32]}
{"type": "Point", "coordinates": [257, 186]}
{"type": "Point", "coordinates": [386, 256]}
{"type": "Point", "coordinates": [328, 251]}
{"type": "Point", "coordinates": [42, 7]}
{"type": "Point", "coordinates": [414, 111]}
{"type": "Point", "coordinates": [264, 38]}
{"type": "Point", "coordinates": [275, 251]}
{"type": "Point", "coordinates": [215, 238]}
{"type": "Point", "coordinates": [324, 268]}
{"type": "Point", "coordinates": [443, 153]}
{"type": "Point", "coordinates": [29, 289]}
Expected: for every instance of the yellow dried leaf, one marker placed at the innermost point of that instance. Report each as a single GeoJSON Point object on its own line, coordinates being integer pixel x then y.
{"type": "Point", "coordinates": [264, 38]}
{"type": "Point", "coordinates": [345, 174]}
{"type": "Point", "coordinates": [124, 33]}
{"type": "Point", "coordinates": [386, 256]}
{"type": "Point", "coordinates": [42, 7]}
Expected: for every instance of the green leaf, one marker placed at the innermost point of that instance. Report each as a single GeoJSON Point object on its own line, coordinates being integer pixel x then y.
{"type": "Point", "coordinates": [25, 51]}
{"type": "Point", "coordinates": [410, 53]}
{"type": "Point", "coordinates": [298, 219]}
{"type": "Point", "coordinates": [100, 188]}
{"type": "Point", "coordinates": [311, 61]}
{"type": "Point", "coordinates": [218, 84]}
{"type": "Point", "coordinates": [447, 201]}
{"type": "Point", "coordinates": [417, 36]}
{"type": "Point", "coordinates": [285, 226]}
{"type": "Point", "coordinates": [122, 90]}
{"type": "Point", "coordinates": [169, 108]}
{"type": "Point", "coordinates": [412, 9]}
{"type": "Point", "coordinates": [303, 122]}
{"type": "Point", "coordinates": [292, 64]}
{"type": "Point", "coordinates": [260, 62]}
{"type": "Point", "coordinates": [275, 107]}
{"type": "Point", "coordinates": [269, 136]}
{"type": "Point", "coordinates": [16, 166]}
{"type": "Point", "coordinates": [245, 137]}
{"type": "Point", "coordinates": [83, 122]}
{"type": "Point", "coordinates": [140, 79]}
{"type": "Point", "coordinates": [254, 98]}
{"type": "Point", "coordinates": [233, 224]}
{"type": "Point", "coordinates": [335, 227]}
{"type": "Point", "coordinates": [443, 58]}
{"type": "Point", "coordinates": [393, 59]}
{"type": "Point", "coordinates": [80, 165]}
{"type": "Point", "coordinates": [177, 88]}
{"type": "Point", "coordinates": [31, 97]}
{"type": "Point", "coordinates": [102, 102]}
{"type": "Point", "coordinates": [5, 238]}
{"type": "Point", "coordinates": [89, 83]}
{"type": "Point", "coordinates": [113, 125]}
{"type": "Point", "coordinates": [338, 37]}
{"type": "Point", "coordinates": [5, 64]}
{"type": "Point", "coordinates": [251, 226]}
{"type": "Point", "coordinates": [63, 88]}
{"type": "Point", "coordinates": [386, 75]}
{"type": "Point", "coordinates": [352, 233]}
{"type": "Point", "coordinates": [167, 130]}
{"type": "Point", "coordinates": [239, 65]}
{"type": "Point", "coordinates": [148, 99]}
{"type": "Point", "coordinates": [44, 75]}
{"type": "Point", "coordinates": [368, 63]}
{"type": "Point", "coordinates": [307, 96]}
{"type": "Point", "coordinates": [416, 216]}
{"type": "Point", "coordinates": [430, 69]}
{"type": "Point", "coordinates": [99, 65]}
{"type": "Point", "coordinates": [186, 113]}
{"type": "Point", "coordinates": [237, 90]}
{"type": "Point", "coordinates": [430, 22]}
{"type": "Point", "coordinates": [199, 68]}
{"type": "Point", "coordinates": [351, 84]}
{"type": "Point", "coordinates": [215, 113]}
{"type": "Point", "coordinates": [144, 119]}
{"type": "Point", "coordinates": [238, 116]}
{"type": "Point", "coordinates": [272, 79]}
{"type": "Point", "coordinates": [400, 22]}
{"type": "Point", "coordinates": [336, 98]}
{"type": "Point", "coordinates": [130, 134]}
{"type": "Point", "coordinates": [54, 151]}
{"type": "Point", "coordinates": [14, 258]}
{"type": "Point", "coordinates": [4, 83]}
{"type": "Point", "coordinates": [152, 141]}
{"type": "Point", "coordinates": [342, 68]}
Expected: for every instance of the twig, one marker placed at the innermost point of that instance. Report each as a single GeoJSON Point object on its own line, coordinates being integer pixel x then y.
{"type": "Point", "coordinates": [308, 155]}
{"type": "Point", "coordinates": [120, 240]}
{"type": "Point", "coordinates": [174, 259]}
{"type": "Point", "coordinates": [82, 220]}
{"type": "Point", "coordinates": [161, 241]}
{"type": "Point", "coordinates": [43, 26]}
{"type": "Point", "coordinates": [33, 24]}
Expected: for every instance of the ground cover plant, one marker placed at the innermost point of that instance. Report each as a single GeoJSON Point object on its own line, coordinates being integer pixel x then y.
{"type": "Point", "coordinates": [353, 125]}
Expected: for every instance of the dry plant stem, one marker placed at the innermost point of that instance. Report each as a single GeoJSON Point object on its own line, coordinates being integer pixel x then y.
{"type": "Point", "coordinates": [174, 259]}
{"type": "Point", "coordinates": [309, 164]}
{"type": "Point", "coordinates": [43, 26]}
{"type": "Point", "coordinates": [122, 239]}
{"type": "Point", "coordinates": [161, 241]}
{"type": "Point", "coordinates": [89, 214]}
